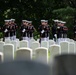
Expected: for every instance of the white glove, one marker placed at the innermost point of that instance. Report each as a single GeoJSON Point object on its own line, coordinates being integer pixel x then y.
{"type": "Point", "coordinates": [58, 27]}
{"type": "Point", "coordinates": [42, 31]}
{"type": "Point", "coordinates": [23, 30]}
{"type": "Point", "coordinates": [55, 35]}
{"type": "Point", "coordinates": [5, 30]}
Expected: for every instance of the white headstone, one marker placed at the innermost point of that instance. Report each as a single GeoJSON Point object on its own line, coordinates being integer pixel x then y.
{"type": "Point", "coordinates": [41, 55]}
{"type": "Point", "coordinates": [1, 57]}
{"type": "Point", "coordinates": [23, 43]}
{"type": "Point", "coordinates": [44, 44]}
{"type": "Point", "coordinates": [8, 51]}
{"type": "Point", "coordinates": [51, 42]}
{"type": "Point", "coordinates": [1, 46]}
{"type": "Point", "coordinates": [18, 43]}
{"type": "Point", "coordinates": [15, 45]}
{"type": "Point", "coordinates": [7, 41]}
{"type": "Point", "coordinates": [35, 45]}
{"type": "Point", "coordinates": [31, 41]}
{"type": "Point", "coordinates": [71, 47]}
{"type": "Point", "coordinates": [54, 51]}
{"type": "Point", "coordinates": [71, 40]}
{"type": "Point", "coordinates": [75, 47]}
{"type": "Point", "coordinates": [24, 54]}
{"type": "Point", "coordinates": [64, 47]}
{"type": "Point", "coordinates": [38, 40]}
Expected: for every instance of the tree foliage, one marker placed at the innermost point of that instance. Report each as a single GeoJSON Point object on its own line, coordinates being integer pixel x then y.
{"type": "Point", "coordinates": [36, 10]}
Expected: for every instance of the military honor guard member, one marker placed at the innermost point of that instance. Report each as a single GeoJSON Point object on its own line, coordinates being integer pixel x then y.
{"type": "Point", "coordinates": [6, 30]}
{"type": "Point", "coordinates": [54, 30]}
{"type": "Point", "coordinates": [43, 30]}
{"type": "Point", "coordinates": [65, 31]}
{"type": "Point", "coordinates": [15, 28]}
{"type": "Point", "coordinates": [47, 26]}
{"type": "Point", "coordinates": [31, 30]}
{"type": "Point", "coordinates": [62, 31]}
{"type": "Point", "coordinates": [11, 30]}
{"type": "Point", "coordinates": [74, 29]}
{"type": "Point", "coordinates": [58, 32]}
{"type": "Point", "coordinates": [24, 30]}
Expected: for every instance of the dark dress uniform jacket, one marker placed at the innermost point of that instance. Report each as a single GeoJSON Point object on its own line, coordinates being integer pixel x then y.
{"type": "Point", "coordinates": [65, 31]}
{"type": "Point", "coordinates": [54, 30]}
{"type": "Point", "coordinates": [12, 28]}
{"type": "Point", "coordinates": [31, 30]}
{"type": "Point", "coordinates": [42, 35]}
{"type": "Point", "coordinates": [74, 28]}
{"type": "Point", "coordinates": [6, 33]}
{"type": "Point", "coordinates": [15, 29]}
{"type": "Point", "coordinates": [47, 30]}
{"type": "Point", "coordinates": [25, 33]}
{"type": "Point", "coordinates": [60, 31]}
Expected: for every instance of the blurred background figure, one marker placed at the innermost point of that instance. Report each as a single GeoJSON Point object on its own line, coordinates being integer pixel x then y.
{"type": "Point", "coordinates": [64, 65]}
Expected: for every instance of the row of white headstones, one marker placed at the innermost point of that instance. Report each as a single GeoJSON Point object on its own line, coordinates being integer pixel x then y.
{"type": "Point", "coordinates": [44, 52]}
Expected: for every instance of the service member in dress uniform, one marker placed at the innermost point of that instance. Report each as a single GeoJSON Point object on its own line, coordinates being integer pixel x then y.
{"type": "Point", "coordinates": [6, 30]}
{"type": "Point", "coordinates": [12, 29]}
{"type": "Point", "coordinates": [15, 28]}
{"type": "Point", "coordinates": [62, 31]}
{"type": "Point", "coordinates": [74, 29]}
{"type": "Point", "coordinates": [54, 30]}
{"type": "Point", "coordinates": [47, 26]}
{"type": "Point", "coordinates": [59, 31]}
{"type": "Point", "coordinates": [65, 31]}
{"type": "Point", "coordinates": [42, 29]}
{"type": "Point", "coordinates": [24, 30]}
{"type": "Point", "coordinates": [31, 30]}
